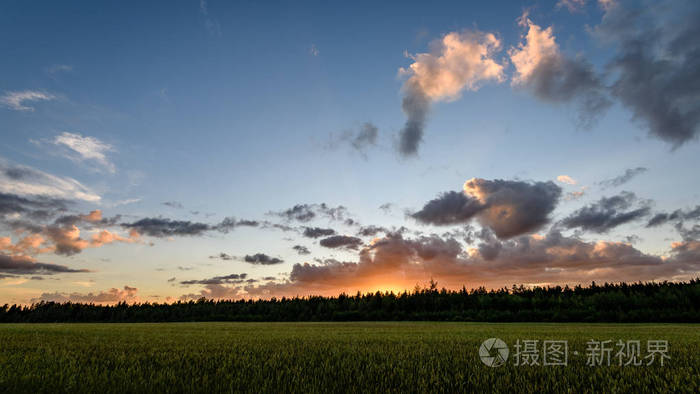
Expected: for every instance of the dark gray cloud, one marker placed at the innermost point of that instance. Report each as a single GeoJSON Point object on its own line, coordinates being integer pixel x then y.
{"type": "Point", "coordinates": [307, 212]}
{"type": "Point", "coordinates": [301, 249]}
{"type": "Point", "coordinates": [341, 241]}
{"type": "Point", "coordinates": [35, 207]}
{"type": "Point", "coordinates": [23, 265]}
{"type": "Point", "coordinates": [657, 65]}
{"type": "Point", "coordinates": [508, 208]}
{"type": "Point", "coordinates": [217, 280]}
{"type": "Point", "coordinates": [371, 231]}
{"type": "Point", "coordinates": [223, 256]}
{"type": "Point", "coordinates": [560, 79]}
{"type": "Point", "coordinates": [607, 213]}
{"type": "Point", "coordinates": [678, 215]}
{"type": "Point", "coordinates": [449, 208]}
{"type": "Point", "coordinates": [316, 232]}
{"type": "Point", "coordinates": [623, 178]}
{"type": "Point", "coordinates": [386, 207]}
{"type": "Point", "coordinates": [416, 106]}
{"type": "Point", "coordinates": [164, 227]}
{"type": "Point", "coordinates": [262, 259]}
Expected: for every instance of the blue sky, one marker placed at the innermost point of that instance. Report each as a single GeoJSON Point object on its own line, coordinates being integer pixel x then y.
{"type": "Point", "coordinates": [243, 110]}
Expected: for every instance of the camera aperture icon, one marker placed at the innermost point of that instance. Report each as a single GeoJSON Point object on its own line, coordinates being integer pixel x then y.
{"type": "Point", "coordinates": [493, 352]}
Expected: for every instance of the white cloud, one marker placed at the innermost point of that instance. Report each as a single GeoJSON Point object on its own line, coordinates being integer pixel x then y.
{"type": "Point", "coordinates": [25, 180]}
{"type": "Point", "coordinates": [566, 179]}
{"type": "Point", "coordinates": [457, 62]}
{"type": "Point", "coordinates": [86, 148]}
{"type": "Point", "coordinates": [15, 100]}
{"type": "Point", "coordinates": [539, 47]}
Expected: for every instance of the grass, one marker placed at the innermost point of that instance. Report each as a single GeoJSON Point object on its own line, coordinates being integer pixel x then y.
{"type": "Point", "coordinates": [326, 357]}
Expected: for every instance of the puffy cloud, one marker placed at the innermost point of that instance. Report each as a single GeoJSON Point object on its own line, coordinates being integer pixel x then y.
{"type": "Point", "coordinates": [316, 232]}
{"type": "Point", "coordinates": [566, 179]}
{"type": "Point", "coordinates": [27, 265]}
{"type": "Point", "coordinates": [33, 207]}
{"type": "Point", "coordinates": [16, 100]}
{"type": "Point", "coordinates": [83, 148]}
{"type": "Point", "coordinates": [455, 63]}
{"type": "Point", "coordinates": [607, 213]}
{"type": "Point", "coordinates": [341, 241]}
{"type": "Point", "coordinates": [508, 208]}
{"type": "Point", "coordinates": [111, 296]}
{"type": "Point", "coordinates": [27, 181]}
{"type": "Point", "coordinates": [656, 65]}
{"type": "Point", "coordinates": [543, 69]}
{"type": "Point", "coordinates": [262, 259]}
{"type": "Point", "coordinates": [623, 178]}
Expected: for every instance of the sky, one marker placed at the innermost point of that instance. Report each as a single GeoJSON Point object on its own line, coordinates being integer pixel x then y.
{"type": "Point", "coordinates": [173, 150]}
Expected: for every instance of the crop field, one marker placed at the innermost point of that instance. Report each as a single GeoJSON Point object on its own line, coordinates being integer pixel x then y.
{"type": "Point", "coordinates": [332, 357]}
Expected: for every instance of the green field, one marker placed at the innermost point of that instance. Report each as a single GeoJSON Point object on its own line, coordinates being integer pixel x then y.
{"type": "Point", "coordinates": [327, 357]}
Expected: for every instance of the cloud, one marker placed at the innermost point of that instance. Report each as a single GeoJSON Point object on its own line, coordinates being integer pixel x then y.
{"type": "Point", "coordinates": [111, 296]}
{"type": "Point", "coordinates": [455, 63]}
{"type": "Point", "coordinates": [541, 68]}
{"type": "Point", "coordinates": [607, 213]}
{"type": "Point", "coordinates": [678, 215]}
{"type": "Point", "coordinates": [508, 208]}
{"type": "Point", "coordinates": [316, 232]}
{"type": "Point", "coordinates": [27, 181]}
{"type": "Point", "coordinates": [360, 140]}
{"type": "Point", "coordinates": [656, 64]}
{"type": "Point", "coordinates": [212, 25]}
{"type": "Point", "coordinates": [400, 263]}
{"type": "Point", "coordinates": [302, 250]}
{"type": "Point", "coordinates": [572, 5]}
{"type": "Point", "coordinates": [262, 259]}
{"type": "Point", "coordinates": [624, 178]}
{"type": "Point", "coordinates": [32, 207]}
{"type": "Point", "coordinates": [26, 265]}
{"type": "Point", "coordinates": [57, 68]}
{"type": "Point", "coordinates": [313, 51]}
{"type": "Point", "coordinates": [341, 241]}
{"type": "Point", "coordinates": [173, 204]}
{"type": "Point", "coordinates": [86, 148]}
{"type": "Point", "coordinates": [566, 179]}
{"type": "Point", "coordinates": [307, 212]}
{"type": "Point", "coordinates": [217, 280]}
{"type": "Point", "coordinates": [164, 227]}
{"type": "Point", "coordinates": [223, 256]}
{"type": "Point", "coordinates": [16, 100]}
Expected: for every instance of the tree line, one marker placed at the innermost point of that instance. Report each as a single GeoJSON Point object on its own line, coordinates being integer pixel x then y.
{"type": "Point", "coordinates": [622, 302]}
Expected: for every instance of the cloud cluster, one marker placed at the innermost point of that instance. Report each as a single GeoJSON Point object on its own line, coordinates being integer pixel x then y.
{"type": "Point", "coordinates": [26, 265]}
{"type": "Point", "coordinates": [508, 208]}
{"type": "Point", "coordinates": [111, 296]}
{"type": "Point", "coordinates": [316, 232]}
{"type": "Point", "coordinates": [308, 212]}
{"type": "Point", "coordinates": [400, 263]}
{"type": "Point", "coordinates": [456, 62]}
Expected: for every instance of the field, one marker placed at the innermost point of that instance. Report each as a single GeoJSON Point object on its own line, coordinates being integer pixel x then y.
{"type": "Point", "coordinates": [327, 357]}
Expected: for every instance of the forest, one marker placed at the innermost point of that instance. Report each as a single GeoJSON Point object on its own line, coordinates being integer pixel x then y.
{"type": "Point", "coordinates": [620, 302]}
